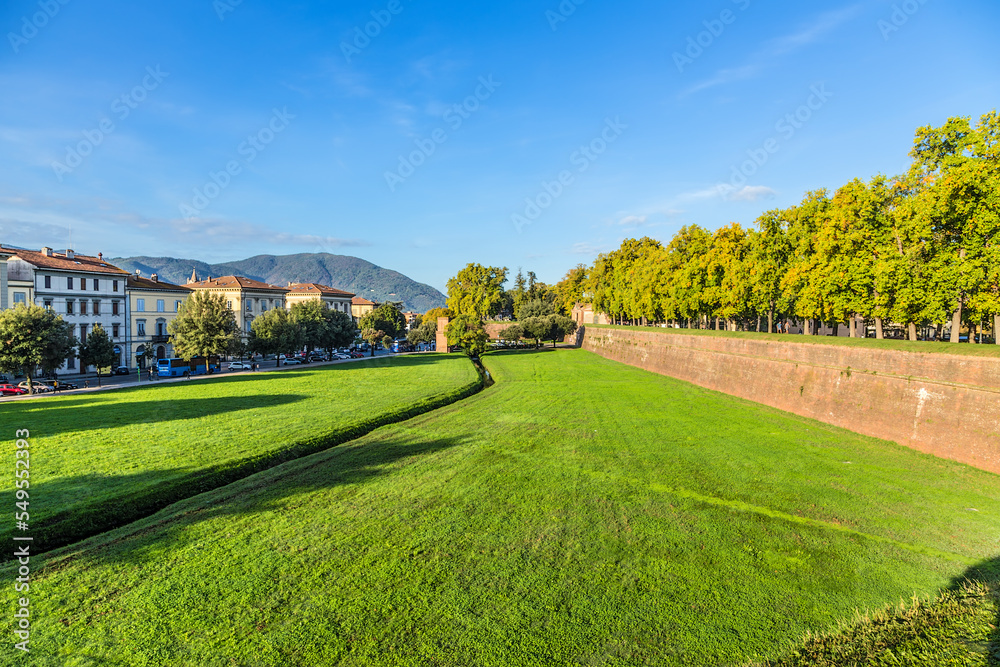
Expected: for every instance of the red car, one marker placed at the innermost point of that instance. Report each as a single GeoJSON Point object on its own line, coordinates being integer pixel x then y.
{"type": "Point", "coordinates": [11, 390]}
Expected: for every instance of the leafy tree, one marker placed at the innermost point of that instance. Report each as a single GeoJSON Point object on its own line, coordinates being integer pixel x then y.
{"type": "Point", "coordinates": [387, 342]}
{"type": "Point", "coordinates": [514, 332]}
{"type": "Point", "coordinates": [387, 318]}
{"type": "Point", "coordinates": [477, 291]}
{"type": "Point", "coordinates": [32, 337]}
{"type": "Point", "coordinates": [204, 327]}
{"type": "Point", "coordinates": [551, 327]}
{"type": "Point", "coordinates": [519, 294]}
{"type": "Point", "coordinates": [468, 332]}
{"type": "Point", "coordinates": [98, 351]}
{"type": "Point", "coordinates": [275, 332]}
{"type": "Point", "coordinates": [572, 289]}
{"type": "Point", "coordinates": [310, 317]}
{"type": "Point", "coordinates": [339, 330]}
{"type": "Point", "coordinates": [767, 262]}
{"type": "Point", "coordinates": [435, 313]}
{"type": "Point", "coordinates": [535, 308]}
{"type": "Point", "coordinates": [373, 336]}
{"type": "Point", "coordinates": [425, 333]}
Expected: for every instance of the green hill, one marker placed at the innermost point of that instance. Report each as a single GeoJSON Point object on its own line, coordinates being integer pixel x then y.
{"type": "Point", "coordinates": [347, 273]}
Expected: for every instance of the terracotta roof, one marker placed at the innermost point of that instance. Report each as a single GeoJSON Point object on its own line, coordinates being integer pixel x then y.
{"type": "Point", "coordinates": [358, 301]}
{"type": "Point", "coordinates": [59, 262]}
{"type": "Point", "coordinates": [235, 282]}
{"type": "Point", "coordinates": [147, 283]}
{"type": "Point", "coordinates": [316, 288]}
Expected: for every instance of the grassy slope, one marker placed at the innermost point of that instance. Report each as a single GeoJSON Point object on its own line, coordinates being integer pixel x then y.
{"type": "Point", "coordinates": [924, 347]}
{"type": "Point", "coordinates": [102, 459]}
{"type": "Point", "coordinates": [578, 512]}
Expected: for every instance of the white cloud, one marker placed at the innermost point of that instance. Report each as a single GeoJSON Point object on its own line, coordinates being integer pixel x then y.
{"type": "Point", "coordinates": [632, 221]}
{"type": "Point", "coordinates": [751, 193]}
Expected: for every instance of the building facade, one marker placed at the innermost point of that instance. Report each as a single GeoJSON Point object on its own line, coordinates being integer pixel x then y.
{"type": "Point", "coordinates": [335, 299]}
{"type": "Point", "coordinates": [4, 295]}
{"type": "Point", "coordinates": [86, 291]}
{"type": "Point", "coordinates": [361, 307]}
{"type": "Point", "coordinates": [248, 299]}
{"type": "Point", "coordinates": [152, 305]}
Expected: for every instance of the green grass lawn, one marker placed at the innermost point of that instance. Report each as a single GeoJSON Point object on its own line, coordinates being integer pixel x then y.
{"type": "Point", "coordinates": [578, 512]}
{"type": "Point", "coordinates": [925, 347]}
{"type": "Point", "coordinates": [102, 459]}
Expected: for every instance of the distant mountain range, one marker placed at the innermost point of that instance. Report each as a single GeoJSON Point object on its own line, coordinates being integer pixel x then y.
{"type": "Point", "coordinates": [343, 272]}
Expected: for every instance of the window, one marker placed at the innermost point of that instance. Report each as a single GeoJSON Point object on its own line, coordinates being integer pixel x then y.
{"type": "Point", "coordinates": [97, 307]}
{"type": "Point", "coordinates": [263, 306]}
{"type": "Point", "coordinates": [160, 306]}
{"type": "Point", "coordinates": [97, 284]}
{"type": "Point", "coordinates": [140, 327]}
{"type": "Point", "coordinates": [230, 304]}
{"type": "Point", "coordinates": [114, 285]}
{"type": "Point", "coordinates": [161, 327]}
{"type": "Point", "coordinates": [83, 333]}
{"type": "Point", "coordinates": [114, 331]}
{"type": "Point", "coordinates": [48, 282]}
{"type": "Point", "coordinates": [177, 306]}
{"type": "Point", "coordinates": [83, 283]}
{"type": "Point", "coordinates": [140, 305]}
{"type": "Point", "coordinates": [69, 282]}
{"type": "Point", "coordinates": [48, 304]}
{"type": "Point", "coordinates": [69, 306]}
{"type": "Point", "coordinates": [249, 306]}
{"type": "Point", "coordinates": [114, 307]}
{"type": "Point", "coordinates": [83, 307]}
{"type": "Point", "coordinates": [20, 297]}
{"type": "Point", "coordinates": [249, 326]}
{"type": "Point", "coordinates": [70, 363]}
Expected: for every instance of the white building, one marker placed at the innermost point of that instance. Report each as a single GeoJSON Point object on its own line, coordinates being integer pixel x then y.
{"type": "Point", "coordinates": [84, 290]}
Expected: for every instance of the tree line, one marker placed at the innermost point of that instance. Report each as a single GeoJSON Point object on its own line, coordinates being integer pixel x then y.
{"type": "Point", "coordinates": [921, 249]}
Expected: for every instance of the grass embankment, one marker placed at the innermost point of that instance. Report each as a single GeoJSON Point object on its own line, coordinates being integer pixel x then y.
{"type": "Point", "coordinates": [103, 459]}
{"type": "Point", "coordinates": [579, 512]}
{"type": "Point", "coordinates": [925, 347]}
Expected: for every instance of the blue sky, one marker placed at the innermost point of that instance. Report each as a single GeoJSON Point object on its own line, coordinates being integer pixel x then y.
{"type": "Point", "coordinates": [116, 117]}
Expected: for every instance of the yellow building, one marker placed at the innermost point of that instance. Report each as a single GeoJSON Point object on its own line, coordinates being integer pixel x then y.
{"type": "Point", "coordinates": [153, 304]}
{"type": "Point", "coordinates": [335, 299]}
{"type": "Point", "coordinates": [248, 299]}
{"type": "Point", "coordinates": [361, 307]}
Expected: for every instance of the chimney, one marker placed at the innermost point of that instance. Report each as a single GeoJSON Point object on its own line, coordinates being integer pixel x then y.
{"type": "Point", "coordinates": [47, 251]}
{"type": "Point", "coordinates": [154, 278]}
{"type": "Point", "coordinates": [100, 257]}
{"type": "Point", "coordinates": [138, 274]}
{"type": "Point", "coordinates": [69, 253]}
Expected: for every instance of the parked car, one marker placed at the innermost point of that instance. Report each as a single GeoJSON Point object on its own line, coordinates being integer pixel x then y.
{"type": "Point", "coordinates": [318, 357]}
{"type": "Point", "coordinates": [63, 385]}
{"type": "Point", "coordinates": [11, 390]}
{"type": "Point", "coordinates": [121, 370]}
{"type": "Point", "coordinates": [357, 355]}
{"type": "Point", "coordinates": [38, 387]}
{"type": "Point", "coordinates": [340, 356]}
{"type": "Point", "coordinates": [293, 362]}
{"type": "Point", "coordinates": [239, 366]}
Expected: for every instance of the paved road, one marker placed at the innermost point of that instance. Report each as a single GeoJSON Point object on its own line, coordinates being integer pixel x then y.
{"type": "Point", "coordinates": [117, 381]}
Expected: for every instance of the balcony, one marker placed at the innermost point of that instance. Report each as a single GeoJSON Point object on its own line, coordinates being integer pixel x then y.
{"type": "Point", "coordinates": [160, 339]}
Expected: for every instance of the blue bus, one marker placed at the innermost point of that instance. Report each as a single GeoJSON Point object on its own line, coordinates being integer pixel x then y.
{"type": "Point", "coordinates": [172, 368]}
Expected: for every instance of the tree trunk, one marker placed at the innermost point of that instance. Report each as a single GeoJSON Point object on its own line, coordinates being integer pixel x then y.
{"type": "Point", "coordinates": [853, 322]}
{"type": "Point", "coordinates": [770, 320]}
{"type": "Point", "coordinates": [972, 333]}
{"type": "Point", "coordinates": [913, 330]}
{"type": "Point", "coordinates": [956, 323]}
{"type": "Point", "coordinates": [836, 328]}
{"type": "Point", "coordinates": [759, 318]}
{"type": "Point", "coordinates": [996, 329]}
{"type": "Point", "coordinates": [879, 333]}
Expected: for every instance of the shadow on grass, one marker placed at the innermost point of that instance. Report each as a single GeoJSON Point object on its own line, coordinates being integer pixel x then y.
{"type": "Point", "coordinates": [77, 417]}
{"type": "Point", "coordinates": [987, 573]}
{"type": "Point", "coordinates": [146, 493]}
{"type": "Point", "coordinates": [267, 491]}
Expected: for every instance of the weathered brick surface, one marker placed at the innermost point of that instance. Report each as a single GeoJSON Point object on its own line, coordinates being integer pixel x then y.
{"type": "Point", "coordinates": [942, 404]}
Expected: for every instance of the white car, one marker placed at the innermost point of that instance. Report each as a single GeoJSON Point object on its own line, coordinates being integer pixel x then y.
{"type": "Point", "coordinates": [292, 362]}
{"type": "Point", "coordinates": [239, 366]}
{"type": "Point", "coordinates": [341, 356]}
